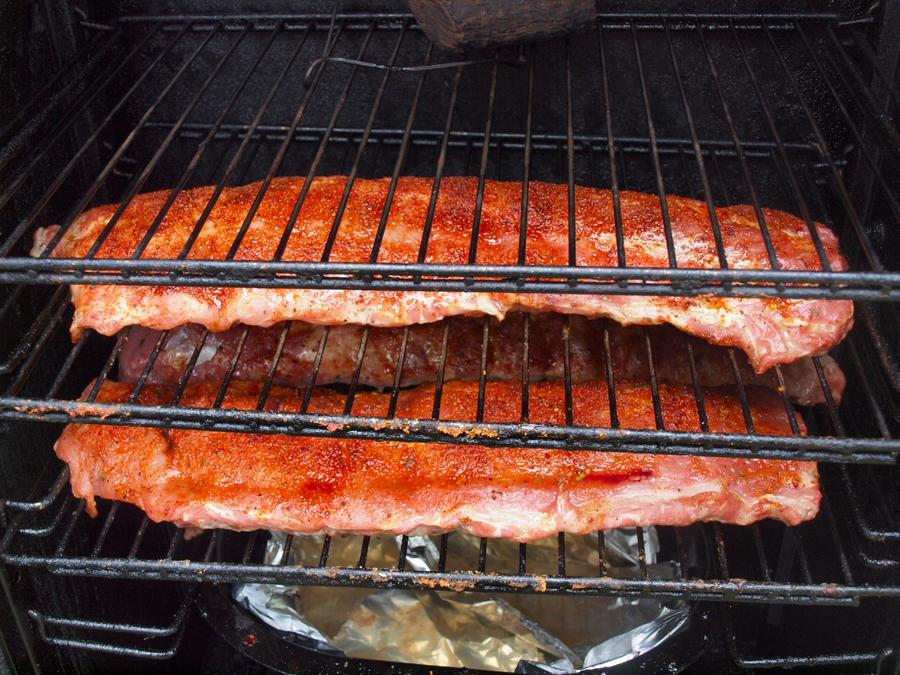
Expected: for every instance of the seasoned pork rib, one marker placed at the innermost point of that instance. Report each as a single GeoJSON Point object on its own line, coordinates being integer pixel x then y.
{"type": "Point", "coordinates": [382, 352]}
{"type": "Point", "coordinates": [304, 485]}
{"type": "Point", "coordinates": [771, 331]}
{"type": "Point", "coordinates": [546, 355]}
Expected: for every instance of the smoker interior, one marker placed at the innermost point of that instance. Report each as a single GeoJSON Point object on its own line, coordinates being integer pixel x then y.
{"type": "Point", "coordinates": [784, 107]}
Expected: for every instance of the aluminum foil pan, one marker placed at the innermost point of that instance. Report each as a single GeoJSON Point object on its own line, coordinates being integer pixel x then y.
{"type": "Point", "coordinates": [525, 633]}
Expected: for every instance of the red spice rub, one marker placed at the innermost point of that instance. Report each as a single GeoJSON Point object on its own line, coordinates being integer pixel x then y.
{"type": "Point", "coordinates": [771, 331]}
{"type": "Point", "coordinates": [297, 484]}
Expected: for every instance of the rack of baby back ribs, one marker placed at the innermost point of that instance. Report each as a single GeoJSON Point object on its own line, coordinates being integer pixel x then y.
{"type": "Point", "coordinates": [515, 333]}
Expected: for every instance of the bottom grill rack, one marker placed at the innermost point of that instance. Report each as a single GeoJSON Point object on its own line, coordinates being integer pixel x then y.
{"type": "Point", "coordinates": [155, 642]}
{"type": "Point", "coordinates": [825, 561]}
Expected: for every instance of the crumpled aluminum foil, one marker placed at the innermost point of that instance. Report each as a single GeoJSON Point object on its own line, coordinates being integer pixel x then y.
{"type": "Point", "coordinates": [524, 633]}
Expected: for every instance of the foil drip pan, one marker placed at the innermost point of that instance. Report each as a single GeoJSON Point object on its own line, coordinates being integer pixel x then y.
{"type": "Point", "coordinates": [282, 626]}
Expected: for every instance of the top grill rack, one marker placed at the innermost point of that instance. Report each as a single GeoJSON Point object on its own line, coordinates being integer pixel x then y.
{"type": "Point", "coordinates": [186, 83]}
{"type": "Point", "coordinates": [226, 100]}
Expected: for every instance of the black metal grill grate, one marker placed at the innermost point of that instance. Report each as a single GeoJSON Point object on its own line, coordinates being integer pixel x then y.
{"type": "Point", "coordinates": [180, 101]}
{"type": "Point", "coordinates": [747, 88]}
{"type": "Point", "coordinates": [820, 562]}
{"type": "Point", "coordinates": [29, 395]}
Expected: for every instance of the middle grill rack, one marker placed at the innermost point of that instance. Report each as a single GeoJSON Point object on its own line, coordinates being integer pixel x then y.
{"type": "Point", "coordinates": [858, 431]}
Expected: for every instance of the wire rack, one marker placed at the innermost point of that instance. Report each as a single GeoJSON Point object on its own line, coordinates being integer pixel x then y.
{"type": "Point", "coordinates": [164, 78]}
{"type": "Point", "coordinates": [179, 101]}
{"type": "Point", "coordinates": [32, 395]}
{"type": "Point", "coordinates": [819, 562]}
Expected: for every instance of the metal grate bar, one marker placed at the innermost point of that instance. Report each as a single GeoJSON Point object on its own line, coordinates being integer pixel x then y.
{"type": "Point", "coordinates": [887, 191]}
{"type": "Point", "coordinates": [439, 168]}
{"type": "Point", "coordinates": [796, 191]}
{"type": "Point", "coordinates": [194, 162]}
{"type": "Point", "coordinates": [189, 369]}
{"type": "Point", "coordinates": [232, 366]}
{"type": "Point", "coordinates": [482, 371]}
{"type": "Point", "coordinates": [35, 339]}
{"type": "Point", "coordinates": [765, 570]}
{"type": "Point", "coordinates": [601, 554]}
{"type": "Point", "coordinates": [27, 341]}
{"type": "Point", "coordinates": [611, 380]}
{"type": "Point", "coordinates": [354, 379]}
{"type": "Point", "coordinates": [461, 138]}
{"type": "Point", "coordinates": [62, 480]}
{"type": "Point", "coordinates": [613, 169]}
{"type": "Point", "coordinates": [152, 163]}
{"type": "Point", "coordinates": [526, 162]}
{"type": "Point", "coordinates": [742, 392]}
{"type": "Point", "coordinates": [404, 548]}
{"type": "Point", "coordinates": [865, 243]}
{"type": "Point", "coordinates": [104, 531]}
{"type": "Point", "coordinates": [326, 548]}
{"type": "Point", "coordinates": [175, 630]}
{"type": "Point", "coordinates": [874, 65]}
{"type": "Point", "coordinates": [39, 531]}
{"type": "Point", "coordinates": [698, 154]}
{"type": "Point", "coordinates": [251, 544]}
{"type": "Point", "coordinates": [642, 552]}
{"type": "Point", "coordinates": [351, 177]}
{"type": "Point", "coordinates": [654, 154]}
{"type": "Point", "coordinates": [482, 554]}
{"type": "Point", "coordinates": [855, 658]}
{"type": "Point", "coordinates": [174, 543]}
{"type": "Point", "coordinates": [526, 367]}
{"type": "Point", "coordinates": [570, 157]}
{"type": "Point", "coordinates": [283, 149]}
{"type": "Point", "coordinates": [684, 570]}
{"type": "Point", "coordinates": [151, 362]}
{"type": "Point", "coordinates": [70, 528]}
{"type": "Point", "coordinates": [138, 538]}
{"type": "Point", "coordinates": [273, 367]}
{"type": "Point", "coordinates": [399, 164]}
{"type": "Point", "coordinates": [239, 153]}
{"type": "Point", "coordinates": [801, 553]}
{"type": "Point", "coordinates": [286, 551]}
{"type": "Point", "coordinates": [567, 371]}
{"type": "Point", "coordinates": [442, 371]}
{"type": "Point", "coordinates": [695, 380]}
{"type": "Point", "coordinates": [861, 518]}
{"type": "Point", "coordinates": [482, 170]}
{"type": "Point", "coordinates": [683, 282]}
{"type": "Point", "coordinates": [69, 118]}
{"type": "Point", "coordinates": [739, 150]}
{"type": "Point", "coordinates": [364, 552]}
{"type": "Point", "coordinates": [442, 553]}
{"type": "Point", "coordinates": [849, 450]}
{"type": "Point", "coordinates": [398, 374]}
{"type": "Point", "coordinates": [859, 89]}
{"type": "Point", "coordinates": [654, 383]}
{"type": "Point", "coordinates": [310, 385]}
{"type": "Point", "coordinates": [74, 72]}
{"type": "Point", "coordinates": [695, 589]}
{"type": "Point", "coordinates": [874, 406]}
{"type": "Point", "coordinates": [788, 406]}
{"type": "Point", "coordinates": [721, 556]}
{"type": "Point", "coordinates": [54, 187]}
{"type": "Point", "coordinates": [561, 554]}
{"type": "Point", "coordinates": [843, 561]}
